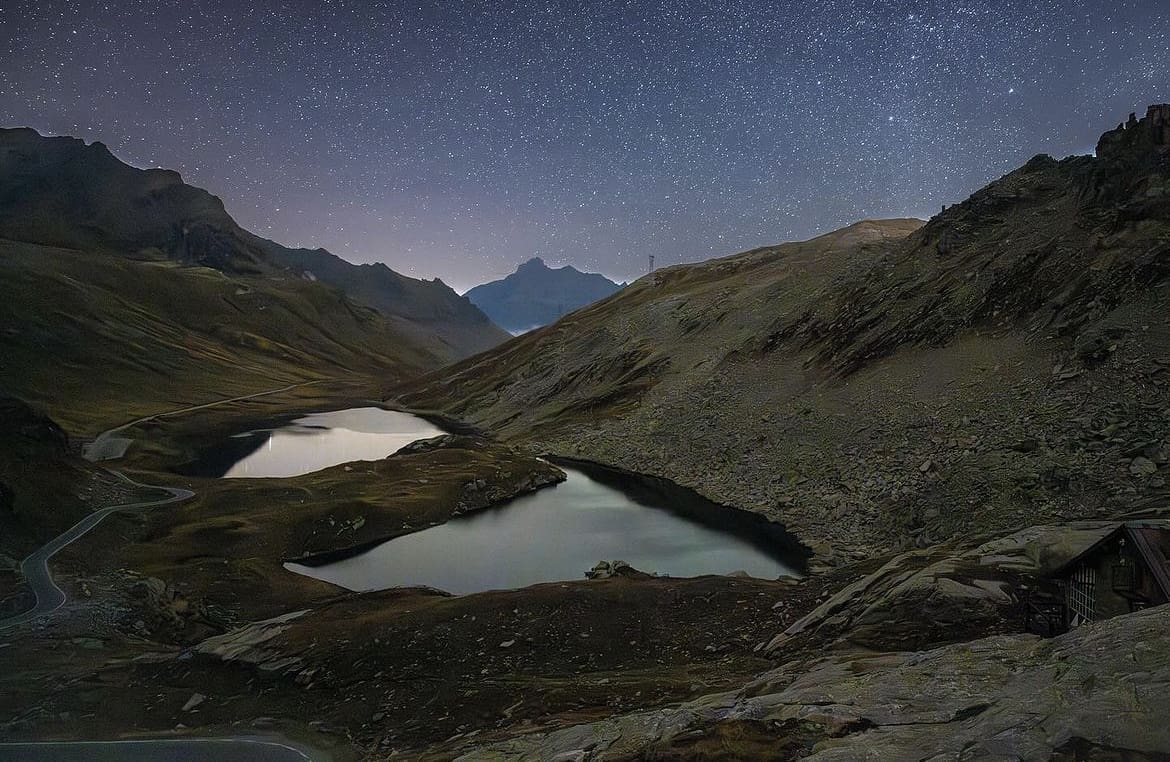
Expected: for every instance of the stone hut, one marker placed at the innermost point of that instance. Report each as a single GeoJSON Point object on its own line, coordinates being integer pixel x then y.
{"type": "Point", "coordinates": [1125, 571]}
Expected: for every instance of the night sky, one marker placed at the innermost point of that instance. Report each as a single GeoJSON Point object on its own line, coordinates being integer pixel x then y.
{"type": "Point", "coordinates": [457, 139]}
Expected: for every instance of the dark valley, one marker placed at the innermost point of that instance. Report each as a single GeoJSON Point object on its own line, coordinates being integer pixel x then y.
{"type": "Point", "coordinates": [898, 490]}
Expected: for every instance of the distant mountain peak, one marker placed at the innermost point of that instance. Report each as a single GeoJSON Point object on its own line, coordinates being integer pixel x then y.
{"type": "Point", "coordinates": [536, 294]}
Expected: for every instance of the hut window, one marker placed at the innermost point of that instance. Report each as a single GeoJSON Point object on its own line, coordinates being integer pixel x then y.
{"type": "Point", "coordinates": [1080, 593]}
{"type": "Point", "coordinates": [1124, 579]}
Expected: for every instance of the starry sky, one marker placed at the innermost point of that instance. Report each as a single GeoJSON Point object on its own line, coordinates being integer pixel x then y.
{"type": "Point", "coordinates": [459, 138]}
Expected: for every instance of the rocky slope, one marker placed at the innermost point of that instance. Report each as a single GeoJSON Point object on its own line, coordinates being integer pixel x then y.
{"type": "Point", "coordinates": [63, 193]}
{"type": "Point", "coordinates": [1000, 698]}
{"type": "Point", "coordinates": [918, 660]}
{"type": "Point", "coordinates": [888, 385]}
{"type": "Point", "coordinates": [536, 295]}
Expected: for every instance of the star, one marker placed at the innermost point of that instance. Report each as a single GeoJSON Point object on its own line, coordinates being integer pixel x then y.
{"type": "Point", "coordinates": [456, 140]}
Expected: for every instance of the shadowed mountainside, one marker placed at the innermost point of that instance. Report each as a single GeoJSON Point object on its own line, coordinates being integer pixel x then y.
{"type": "Point", "coordinates": [428, 310]}
{"type": "Point", "coordinates": [536, 295]}
{"type": "Point", "coordinates": [61, 192]}
{"type": "Point", "coordinates": [889, 385]}
{"type": "Point", "coordinates": [96, 340]}
{"type": "Point", "coordinates": [125, 292]}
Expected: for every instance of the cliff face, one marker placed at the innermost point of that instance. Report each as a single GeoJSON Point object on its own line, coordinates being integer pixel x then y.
{"type": "Point", "coordinates": [1147, 138]}
{"type": "Point", "coordinates": [536, 295]}
{"type": "Point", "coordinates": [61, 192]}
{"type": "Point", "coordinates": [889, 385]}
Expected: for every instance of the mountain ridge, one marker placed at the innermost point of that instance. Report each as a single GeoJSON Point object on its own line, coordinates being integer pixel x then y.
{"type": "Point", "coordinates": [60, 191]}
{"type": "Point", "coordinates": [124, 292]}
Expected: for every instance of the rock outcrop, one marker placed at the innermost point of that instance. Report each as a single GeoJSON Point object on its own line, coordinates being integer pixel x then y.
{"type": "Point", "coordinates": [251, 645]}
{"type": "Point", "coordinates": [610, 569]}
{"type": "Point", "coordinates": [931, 597]}
{"type": "Point", "coordinates": [1144, 137]}
{"type": "Point", "coordinates": [158, 610]}
{"type": "Point", "coordinates": [1095, 693]}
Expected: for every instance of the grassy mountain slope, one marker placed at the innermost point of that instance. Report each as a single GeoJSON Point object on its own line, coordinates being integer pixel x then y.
{"type": "Point", "coordinates": [61, 192]}
{"type": "Point", "coordinates": [95, 340]}
{"type": "Point", "coordinates": [430, 310]}
{"type": "Point", "coordinates": [124, 292]}
{"type": "Point", "coordinates": [886, 385]}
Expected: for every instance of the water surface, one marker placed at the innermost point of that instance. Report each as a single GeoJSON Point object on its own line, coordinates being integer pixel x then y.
{"type": "Point", "coordinates": [560, 532]}
{"type": "Point", "coordinates": [320, 440]}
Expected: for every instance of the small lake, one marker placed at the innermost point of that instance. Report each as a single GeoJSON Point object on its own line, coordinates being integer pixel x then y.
{"type": "Point", "coordinates": [560, 532]}
{"type": "Point", "coordinates": [555, 534]}
{"type": "Point", "coordinates": [314, 442]}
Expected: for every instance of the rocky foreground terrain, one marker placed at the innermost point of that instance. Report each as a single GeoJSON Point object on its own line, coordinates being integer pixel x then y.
{"type": "Point", "coordinates": [1095, 694]}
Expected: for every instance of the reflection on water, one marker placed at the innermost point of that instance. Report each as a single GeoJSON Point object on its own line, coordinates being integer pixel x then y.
{"type": "Point", "coordinates": [555, 534]}
{"type": "Point", "coordinates": [321, 440]}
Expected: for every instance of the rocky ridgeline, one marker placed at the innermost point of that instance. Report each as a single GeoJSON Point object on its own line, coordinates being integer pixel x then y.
{"type": "Point", "coordinates": [1145, 140]}
{"type": "Point", "coordinates": [1053, 246]}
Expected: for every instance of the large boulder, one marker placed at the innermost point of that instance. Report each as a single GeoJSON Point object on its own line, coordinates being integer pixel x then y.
{"type": "Point", "coordinates": [931, 597]}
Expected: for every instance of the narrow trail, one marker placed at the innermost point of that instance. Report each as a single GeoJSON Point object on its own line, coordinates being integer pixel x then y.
{"type": "Point", "coordinates": [108, 446]}
{"type": "Point", "coordinates": [50, 597]}
{"type": "Point", "coordinates": [35, 568]}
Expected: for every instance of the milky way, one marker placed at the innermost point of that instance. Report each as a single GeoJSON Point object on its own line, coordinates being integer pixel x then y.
{"type": "Point", "coordinates": [456, 139]}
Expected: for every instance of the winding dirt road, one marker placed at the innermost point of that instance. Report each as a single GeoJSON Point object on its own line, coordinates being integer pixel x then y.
{"type": "Point", "coordinates": [50, 597]}
{"type": "Point", "coordinates": [35, 568]}
{"type": "Point", "coordinates": [107, 446]}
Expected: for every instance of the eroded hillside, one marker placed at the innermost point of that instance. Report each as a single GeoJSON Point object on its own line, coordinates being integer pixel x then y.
{"type": "Point", "coordinates": [888, 385]}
